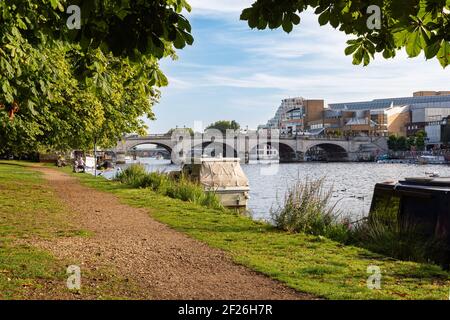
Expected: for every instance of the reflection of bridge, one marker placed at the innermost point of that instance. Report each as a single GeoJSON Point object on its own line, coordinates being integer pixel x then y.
{"type": "Point", "coordinates": [243, 145]}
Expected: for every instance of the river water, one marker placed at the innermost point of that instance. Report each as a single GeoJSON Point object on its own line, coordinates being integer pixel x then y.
{"type": "Point", "coordinates": [352, 183]}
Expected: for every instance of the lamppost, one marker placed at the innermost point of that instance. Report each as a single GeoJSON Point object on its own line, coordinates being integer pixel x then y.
{"type": "Point", "coordinates": [95, 157]}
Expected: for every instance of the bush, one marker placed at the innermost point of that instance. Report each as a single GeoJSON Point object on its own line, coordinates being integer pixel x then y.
{"type": "Point", "coordinates": [156, 181]}
{"type": "Point", "coordinates": [133, 175]}
{"type": "Point", "coordinates": [183, 189]}
{"type": "Point", "coordinates": [186, 190]}
{"type": "Point", "coordinates": [211, 200]}
{"type": "Point", "coordinates": [306, 208]}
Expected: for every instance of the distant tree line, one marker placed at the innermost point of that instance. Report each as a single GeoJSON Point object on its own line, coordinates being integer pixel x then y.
{"type": "Point", "coordinates": [416, 142]}
{"type": "Point", "coordinates": [224, 125]}
{"type": "Point", "coordinates": [188, 130]}
{"type": "Point", "coordinates": [221, 125]}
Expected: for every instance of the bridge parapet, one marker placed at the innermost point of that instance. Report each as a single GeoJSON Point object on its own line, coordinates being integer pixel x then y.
{"type": "Point", "coordinates": [246, 144]}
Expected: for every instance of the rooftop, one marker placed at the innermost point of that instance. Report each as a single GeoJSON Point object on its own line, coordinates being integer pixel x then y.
{"type": "Point", "coordinates": [386, 103]}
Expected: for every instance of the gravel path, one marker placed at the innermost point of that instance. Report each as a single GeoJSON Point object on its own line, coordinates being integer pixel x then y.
{"type": "Point", "coordinates": [163, 263]}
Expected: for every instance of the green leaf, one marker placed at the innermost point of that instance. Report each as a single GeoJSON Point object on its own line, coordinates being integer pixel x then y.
{"type": "Point", "coordinates": [54, 3]}
{"type": "Point", "coordinates": [414, 44]}
{"type": "Point", "coordinates": [351, 49]}
{"type": "Point", "coordinates": [444, 54]}
{"type": "Point", "coordinates": [334, 21]}
{"type": "Point", "coordinates": [246, 13]}
{"type": "Point", "coordinates": [387, 53]}
{"type": "Point", "coordinates": [287, 25]}
{"type": "Point", "coordinates": [295, 19]}
{"type": "Point", "coordinates": [21, 24]}
{"type": "Point", "coordinates": [432, 50]}
{"type": "Point", "coordinates": [366, 58]}
{"type": "Point", "coordinates": [324, 18]}
{"type": "Point", "coordinates": [358, 56]}
{"type": "Point", "coordinates": [409, 24]}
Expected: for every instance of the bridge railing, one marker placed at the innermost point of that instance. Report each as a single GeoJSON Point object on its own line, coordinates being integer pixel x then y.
{"type": "Point", "coordinates": [282, 136]}
{"type": "Point", "coordinates": [307, 137]}
{"type": "Point", "coordinates": [150, 136]}
{"type": "Point", "coordinates": [332, 138]}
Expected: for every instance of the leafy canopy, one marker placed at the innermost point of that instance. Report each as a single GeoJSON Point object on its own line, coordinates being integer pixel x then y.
{"type": "Point", "coordinates": [224, 125]}
{"type": "Point", "coordinates": [416, 142]}
{"type": "Point", "coordinates": [416, 25]}
{"type": "Point", "coordinates": [64, 89]}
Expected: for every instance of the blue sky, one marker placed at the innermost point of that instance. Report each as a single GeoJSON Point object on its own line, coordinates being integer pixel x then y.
{"type": "Point", "coordinates": [234, 73]}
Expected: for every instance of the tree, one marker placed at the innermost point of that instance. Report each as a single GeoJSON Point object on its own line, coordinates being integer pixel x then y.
{"type": "Point", "coordinates": [402, 144]}
{"type": "Point", "coordinates": [224, 125]}
{"type": "Point", "coordinates": [189, 131]}
{"type": "Point", "coordinates": [392, 143]}
{"type": "Point", "coordinates": [64, 89]}
{"type": "Point", "coordinates": [416, 25]}
{"type": "Point", "coordinates": [411, 142]}
{"type": "Point", "coordinates": [420, 140]}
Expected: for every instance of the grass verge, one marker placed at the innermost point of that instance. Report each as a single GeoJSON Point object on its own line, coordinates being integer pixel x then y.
{"type": "Point", "coordinates": [311, 264]}
{"type": "Point", "coordinates": [29, 212]}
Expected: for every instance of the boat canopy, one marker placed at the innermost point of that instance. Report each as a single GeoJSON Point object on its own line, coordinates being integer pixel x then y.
{"type": "Point", "coordinates": [219, 173]}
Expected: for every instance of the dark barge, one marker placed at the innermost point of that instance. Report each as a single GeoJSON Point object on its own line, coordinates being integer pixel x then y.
{"type": "Point", "coordinates": [421, 206]}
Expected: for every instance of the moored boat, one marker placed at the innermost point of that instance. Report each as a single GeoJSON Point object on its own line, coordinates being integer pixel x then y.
{"type": "Point", "coordinates": [432, 160]}
{"type": "Point", "coordinates": [224, 177]}
{"type": "Point", "coordinates": [417, 206]}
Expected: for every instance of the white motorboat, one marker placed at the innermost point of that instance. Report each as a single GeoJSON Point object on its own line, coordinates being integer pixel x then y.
{"type": "Point", "coordinates": [224, 177]}
{"type": "Point", "coordinates": [432, 160]}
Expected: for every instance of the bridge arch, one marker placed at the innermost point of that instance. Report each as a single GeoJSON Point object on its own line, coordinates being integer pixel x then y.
{"type": "Point", "coordinates": [286, 152]}
{"type": "Point", "coordinates": [158, 144]}
{"type": "Point", "coordinates": [327, 152]}
{"type": "Point", "coordinates": [213, 149]}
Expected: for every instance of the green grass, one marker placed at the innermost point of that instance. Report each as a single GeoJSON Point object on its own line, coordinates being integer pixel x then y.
{"type": "Point", "coordinates": [29, 211]}
{"type": "Point", "coordinates": [311, 264]}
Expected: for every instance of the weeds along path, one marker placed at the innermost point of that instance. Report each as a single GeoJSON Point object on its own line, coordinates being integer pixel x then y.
{"type": "Point", "coordinates": [163, 263]}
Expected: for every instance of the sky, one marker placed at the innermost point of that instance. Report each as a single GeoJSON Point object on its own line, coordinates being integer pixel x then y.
{"type": "Point", "coordinates": [234, 73]}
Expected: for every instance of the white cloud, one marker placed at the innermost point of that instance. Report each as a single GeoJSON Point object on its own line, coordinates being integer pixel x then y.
{"type": "Point", "coordinates": [311, 62]}
{"type": "Point", "coordinates": [267, 66]}
{"type": "Point", "coordinates": [400, 77]}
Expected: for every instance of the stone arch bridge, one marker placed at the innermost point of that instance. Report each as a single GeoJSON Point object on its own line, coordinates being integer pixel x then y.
{"type": "Point", "coordinates": [245, 146]}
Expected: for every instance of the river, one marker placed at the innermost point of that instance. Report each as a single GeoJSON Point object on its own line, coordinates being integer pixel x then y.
{"type": "Point", "coordinates": [352, 183]}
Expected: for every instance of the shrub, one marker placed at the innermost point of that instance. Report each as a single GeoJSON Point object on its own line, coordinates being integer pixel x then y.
{"type": "Point", "coordinates": [182, 188]}
{"type": "Point", "coordinates": [187, 190]}
{"type": "Point", "coordinates": [306, 208]}
{"type": "Point", "coordinates": [211, 200]}
{"type": "Point", "coordinates": [133, 175]}
{"type": "Point", "coordinates": [156, 181]}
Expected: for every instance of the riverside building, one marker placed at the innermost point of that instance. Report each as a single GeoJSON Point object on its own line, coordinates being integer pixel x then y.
{"type": "Point", "coordinates": [403, 116]}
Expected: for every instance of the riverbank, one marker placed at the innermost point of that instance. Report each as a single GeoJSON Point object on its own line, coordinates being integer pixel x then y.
{"type": "Point", "coordinates": [156, 261]}
{"type": "Point", "coordinates": [306, 263]}
{"type": "Point", "coordinates": [352, 183]}
{"type": "Point", "coordinates": [32, 214]}
{"type": "Point", "coordinates": [315, 265]}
